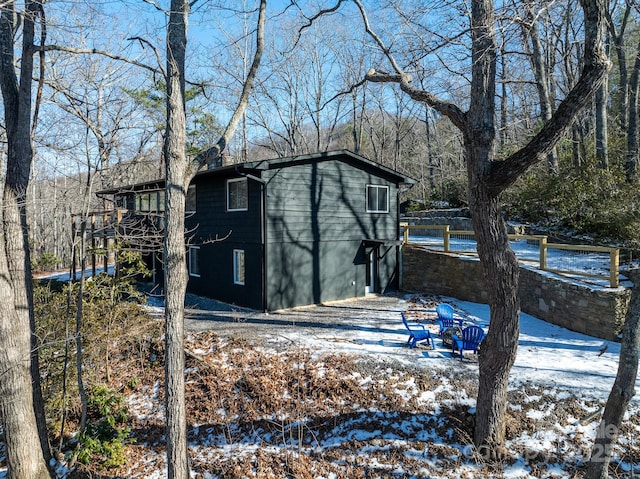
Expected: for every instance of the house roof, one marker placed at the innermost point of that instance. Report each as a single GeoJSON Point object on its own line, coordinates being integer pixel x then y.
{"type": "Point", "coordinates": [273, 163]}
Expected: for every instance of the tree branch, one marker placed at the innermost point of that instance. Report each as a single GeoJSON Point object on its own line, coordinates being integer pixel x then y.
{"type": "Point", "coordinates": [504, 173]}
{"type": "Point", "coordinates": [451, 111]}
{"type": "Point", "coordinates": [344, 92]}
{"type": "Point", "coordinates": [95, 51]}
{"type": "Point", "coordinates": [376, 38]}
{"type": "Point", "coordinates": [43, 39]}
{"type": "Point", "coordinates": [314, 18]}
{"type": "Point", "coordinates": [144, 42]}
{"type": "Point", "coordinates": [215, 151]}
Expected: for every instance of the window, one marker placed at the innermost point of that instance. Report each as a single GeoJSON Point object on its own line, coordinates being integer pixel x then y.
{"type": "Point", "coordinates": [127, 202]}
{"type": "Point", "coordinates": [143, 202]}
{"type": "Point", "coordinates": [190, 206]}
{"type": "Point", "coordinates": [194, 261]}
{"type": "Point", "coordinates": [237, 195]}
{"type": "Point", "coordinates": [153, 201]}
{"type": "Point", "coordinates": [377, 199]}
{"type": "Point", "coordinates": [161, 200]}
{"type": "Point", "coordinates": [150, 202]}
{"type": "Point", "coordinates": [238, 266]}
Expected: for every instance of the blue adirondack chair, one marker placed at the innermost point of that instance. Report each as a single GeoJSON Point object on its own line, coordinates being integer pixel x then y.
{"type": "Point", "coordinates": [471, 338]}
{"type": "Point", "coordinates": [445, 318]}
{"type": "Point", "coordinates": [417, 333]}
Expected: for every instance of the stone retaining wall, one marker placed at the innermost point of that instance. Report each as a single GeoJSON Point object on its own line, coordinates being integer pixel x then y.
{"type": "Point", "coordinates": [596, 312]}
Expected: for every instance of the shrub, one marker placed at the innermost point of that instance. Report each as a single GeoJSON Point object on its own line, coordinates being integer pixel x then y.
{"type": "Point", "coordinates": [453, 191]}
{"type": "Point", "coordinates": [117, 336]}
{"type": "Point", "coordinates": [104, 439]}
{"type": "Point", "coordinates": [45, 262]}
{"type": "Point", "coordinates": [591, 201]}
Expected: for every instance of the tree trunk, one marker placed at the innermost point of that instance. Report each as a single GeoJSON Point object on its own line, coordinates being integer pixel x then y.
{"type": "Point", "coordinates": [542, 80]}
{"type": "Point", "coordinates": [623, 388]}
{"type": "Point", "coordinates": [175, 285]}
{"type": "Point", "coordinates": [633, 147]}
{"type": "Point", "coordinates": [498, 261]}
{"type": "Point", "coordinates": [25, 458]}
{"type": "Point", "coordinates": [487, 180]}
{"type": "Point", "coordinates": [618, 37]}
{"type": "Point", "coordinates": [602, 142]}
{"type": "Point", "coordinates": [500, 267]}
{"type": "Point", "coordinates": [79, 315]}
{"type": "Point", "coordinates": [179, 172]}
{"type": "Point", "coordinates": [21, 405]}
{"type": "Point", "coordinates": [504, 107]}
{"type": "Point", "coordinates": [576, 154]}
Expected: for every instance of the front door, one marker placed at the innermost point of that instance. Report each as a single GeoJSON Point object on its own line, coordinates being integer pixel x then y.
{"type": "Point", "coordinates": [372, 264]}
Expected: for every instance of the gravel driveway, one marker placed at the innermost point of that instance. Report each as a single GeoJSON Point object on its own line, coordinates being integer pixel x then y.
{"type": "Point", "coordinates": [348, 320]}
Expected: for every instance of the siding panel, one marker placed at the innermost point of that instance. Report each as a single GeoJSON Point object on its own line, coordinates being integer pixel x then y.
{"type": "Point", "coordinates": [317, 220]}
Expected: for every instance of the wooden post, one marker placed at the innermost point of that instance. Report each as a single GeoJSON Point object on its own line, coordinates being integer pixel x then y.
{"type": "Point", "coordinates": [446, 236]}
{"type": "Point", "coordinates": [74, 254]}
{"type": "Point", "coordinates": [93, 245]}
{"type": "Point", "coordinates": [105, 240]}
{"type": "Point", "coordinates": [117, 231]}
{"type": "Point", "coordinates": [406, 234]}
{"type": "Point", "coordinates": [614, 261]}
{"type": "Point", "coordinates": [543, 253]}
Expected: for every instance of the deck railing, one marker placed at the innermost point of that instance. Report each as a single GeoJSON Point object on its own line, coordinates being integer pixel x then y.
{"type": "Point", "coordinates": [581, 261]}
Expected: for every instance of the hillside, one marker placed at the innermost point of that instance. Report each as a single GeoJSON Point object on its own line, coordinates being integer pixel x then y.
{"type": "Point", "coordinates": [335, 399]}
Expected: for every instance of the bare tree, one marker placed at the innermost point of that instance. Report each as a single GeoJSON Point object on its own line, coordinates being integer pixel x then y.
{"type": "Point", "coordinates": [180, 169]}
{"type": "Point", "coordinates": [537, 57]}
{"type": "Point", "coordinates": [20, 397]}
{"type": "Point", "coordinates": [298, 104]}
{"type": "Point", "coordinates": [633, 144]}
{"type": "Point", "coordinates": [617, 34]}
{"type": "Point", "coordinates": [623, 388]}
{"type": "Point", "coordinates": [487, 180]}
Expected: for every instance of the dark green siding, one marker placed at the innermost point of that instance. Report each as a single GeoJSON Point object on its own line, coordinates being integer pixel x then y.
{"type": "Point", "coordinates": [324, 201]}
{"type": "Point", "coordinates": [316, 223]}
{"type": "Point", "coordinates": [218, 232]}
{"type": "Point", "coordinates": [310, 273]}
{"type": "Point", "coordinates": [216, 274]}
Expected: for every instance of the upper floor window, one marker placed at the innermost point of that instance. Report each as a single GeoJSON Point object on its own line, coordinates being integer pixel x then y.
{"type": "Point", "coordinates": [377, 199]}
{"type": "Point", "coordinates": [190, 206]}
{"type": "Point", "coordinates": [150, 202]}
{"type": "Point", "coordinates": [143, 202]}
{"type": "Point", "coordinates": [237, 194]}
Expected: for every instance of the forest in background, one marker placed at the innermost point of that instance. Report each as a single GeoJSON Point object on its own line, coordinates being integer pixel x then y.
{"type": "Point", "coordinates": [102, 115]}
{"type": "Point", "coordinates": [463, 63]}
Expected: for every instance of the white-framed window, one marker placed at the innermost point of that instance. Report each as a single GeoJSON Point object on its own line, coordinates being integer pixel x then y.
{"type": "Point", "coordinates": [237, 194]}
{"type": "Point", "coordinates": [190, 204]}
{"type": "Point", "coordinates": [238, 266]}
{"type": "Point", "coordinates": [377, 199]}
{"type": "Point", "coordinates": [194, 261]}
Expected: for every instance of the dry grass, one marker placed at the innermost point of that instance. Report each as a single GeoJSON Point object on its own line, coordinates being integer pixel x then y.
{"type": "Point", "coordinates": [296, 413]}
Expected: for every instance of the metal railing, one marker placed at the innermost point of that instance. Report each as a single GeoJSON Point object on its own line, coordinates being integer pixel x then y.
{"type": "Point", "coordinates": [582, 261]}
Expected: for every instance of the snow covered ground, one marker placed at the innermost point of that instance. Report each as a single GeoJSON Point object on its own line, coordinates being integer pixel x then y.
{"type": "Point", "coordinates": [585, 264]}
{"type": "Point", "coordinates": [547, 354]}
{"type": "Point", "coordinates": [553, 366]}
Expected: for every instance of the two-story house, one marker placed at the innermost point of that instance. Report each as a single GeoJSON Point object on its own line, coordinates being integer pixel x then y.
{"type": "Point", "coordinates": [285, 232]}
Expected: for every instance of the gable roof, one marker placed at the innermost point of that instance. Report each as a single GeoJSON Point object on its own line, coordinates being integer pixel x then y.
{"type": "Point", "coordinates": [275, 163]}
